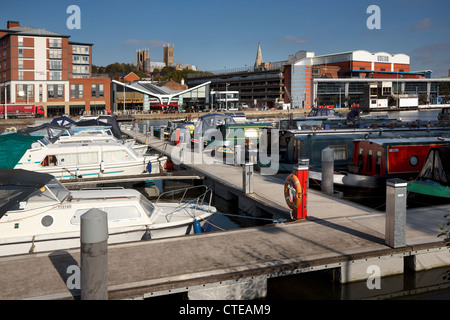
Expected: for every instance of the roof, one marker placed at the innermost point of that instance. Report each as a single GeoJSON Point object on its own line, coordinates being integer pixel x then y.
{"type": "Point", "coordinates": [30, 31]}
{"type": "Point", "coordinates": [81, 43]}
{"type": "Point", "coordinates": [404, 140]}
{"type": "Point", "coordinates": [156, 91]}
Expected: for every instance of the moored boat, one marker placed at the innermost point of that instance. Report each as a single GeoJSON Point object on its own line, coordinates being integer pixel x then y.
{"type": "Point", "coordinates": [37, 213]}
{"type": "Point", "coordinates": [432, 185]}
{"type": "Point", "coordinates": [76, 159]}
{"type": "Point", "coordinates": [376, 160]}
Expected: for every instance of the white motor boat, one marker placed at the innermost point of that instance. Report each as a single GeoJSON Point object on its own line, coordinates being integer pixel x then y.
{"type": "Point", "coordinates": [85, 160]}
{"type": "Point", "coordinates": [37, 214]}
{"type": "Point", "coordinates": [58, 134]}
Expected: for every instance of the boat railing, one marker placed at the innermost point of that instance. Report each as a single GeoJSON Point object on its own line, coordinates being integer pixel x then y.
{"type": "Point", "coordinates": [185, 204]}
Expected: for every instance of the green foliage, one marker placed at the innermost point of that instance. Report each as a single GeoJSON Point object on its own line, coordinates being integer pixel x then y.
{"type": "Point", "coordinates": [121, 68]}
{"type": "Point", "coordinates": [445, 232]}
{"type": "Point", "coordinates": [164, 74]}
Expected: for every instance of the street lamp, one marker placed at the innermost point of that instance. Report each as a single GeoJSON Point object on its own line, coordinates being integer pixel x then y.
{"type": "Point", "coordinates": [226, 96]}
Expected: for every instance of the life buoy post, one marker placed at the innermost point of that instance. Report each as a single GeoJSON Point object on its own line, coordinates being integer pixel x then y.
{"type": "Point", "coordinates": [295, 191]}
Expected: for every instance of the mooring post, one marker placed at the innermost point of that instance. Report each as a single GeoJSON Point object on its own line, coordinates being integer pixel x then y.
{"type": "Point", "coordinates": [152, 131]}
{"type": "Point", "coordinates": [187, 137]}
{"type": "Point", "coordinates": [327, 171]}
{"type": "Point", "coordinates": [201, 145]}
{"type": "Point", "coordinates": [304, 162]}
{"type": "Point", "coordinates": [94, 255]}
{"type": "Point", "coordinates": [302, 173]}
{"type": "Point", "coordinates": [183, 152]}
{"type": "Point", "coordinates": [395, 235]}
{"type": "Point", "coordinates": [161, 133]}
{"type": "Point", "coordinates": [247, 178]}
{"type": "Point", "coordinates": [238, 155]}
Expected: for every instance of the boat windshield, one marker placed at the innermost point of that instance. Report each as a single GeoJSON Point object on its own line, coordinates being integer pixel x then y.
{"type": "Point", "coordinates": [52, 193]}
{"type": "Point", "coordinates": [146, 205]}
{"type": "Point", "coordinates": [58, 190]}
{"type": "Point", "coordinates": [44, 141]}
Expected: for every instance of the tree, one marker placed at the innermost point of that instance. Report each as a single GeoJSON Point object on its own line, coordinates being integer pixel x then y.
{"type": "Point", "coordinates": [446, 232]}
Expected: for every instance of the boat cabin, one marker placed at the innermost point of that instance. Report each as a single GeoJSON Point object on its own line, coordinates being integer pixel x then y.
{"type": "Point", "coordinates": [392, 157]}
{"type": "Point", "coordinates": [444, 114]}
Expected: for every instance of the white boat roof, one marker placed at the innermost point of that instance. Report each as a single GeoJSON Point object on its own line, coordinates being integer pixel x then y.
{"type": "Point", "coordinates": [96, 193]}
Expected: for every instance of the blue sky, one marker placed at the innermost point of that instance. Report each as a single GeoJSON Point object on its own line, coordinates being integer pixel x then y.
{"type": "Point", "coordinates": [214, 35]}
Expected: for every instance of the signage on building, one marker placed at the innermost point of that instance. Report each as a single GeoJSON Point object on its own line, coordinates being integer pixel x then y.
{"type": "Point", "coordinates": [383, 58]}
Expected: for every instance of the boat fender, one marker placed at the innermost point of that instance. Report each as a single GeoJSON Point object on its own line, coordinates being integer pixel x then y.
{"type": "Point", "coordinates": [147, 235]}
{"type": "Point", "coordinates": [197, 227]}
{"type": "Point", "coordinates": [296, 201]}
{"type": "Point", "coordinates": [149, 167]}
{"type": "Point", "coordinates": [102, 167]}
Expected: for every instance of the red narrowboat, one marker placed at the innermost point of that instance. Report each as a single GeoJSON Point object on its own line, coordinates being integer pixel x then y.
{"type": "Point", "coordinates": [375, 160]}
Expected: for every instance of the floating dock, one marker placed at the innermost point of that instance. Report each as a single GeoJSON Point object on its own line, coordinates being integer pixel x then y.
{"type": "Point", "coordinates": [340, 236]}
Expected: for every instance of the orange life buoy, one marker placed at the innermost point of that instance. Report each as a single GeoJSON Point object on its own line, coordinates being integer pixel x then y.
{"type": "Point", "coordinates": [297, 199]}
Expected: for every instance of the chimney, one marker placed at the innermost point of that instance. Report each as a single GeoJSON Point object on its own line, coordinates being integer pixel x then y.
{"type": "Point", "coordinates": [13, 24]}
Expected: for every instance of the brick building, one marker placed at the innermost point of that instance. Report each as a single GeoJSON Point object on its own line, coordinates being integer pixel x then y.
{"type": "Point", "coordinates": [44, 68]}
{"type": "Point", "coordinates": [306, 80]}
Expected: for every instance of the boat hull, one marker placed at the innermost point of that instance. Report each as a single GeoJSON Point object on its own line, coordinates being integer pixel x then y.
{"type": "Point", "coordinates": [71, 240]}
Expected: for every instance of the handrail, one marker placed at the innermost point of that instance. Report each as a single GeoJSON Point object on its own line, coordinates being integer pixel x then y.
{"type": "Point", "coordinates": [184, 190]}
{"type": "Point", "coordinates": [198, 200]}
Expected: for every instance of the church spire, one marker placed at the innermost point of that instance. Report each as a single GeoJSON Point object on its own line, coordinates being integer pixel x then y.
{"type": "Point", "coordinates": [259, 59]}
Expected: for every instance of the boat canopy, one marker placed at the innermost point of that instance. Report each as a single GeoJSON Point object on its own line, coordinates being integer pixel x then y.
{"type": "Point", "coordinates": [51, 131]}
{"type": "Point", "coordinates": [12, 147]}
{"type": "Point", "coordinates": [103, 121]}
{"type": "Point", "coordinates": [63, 121]}
{"type": "Point", "coordinates": [211, 121]}
{"type": "Point", "coordinates": [437, 166]}
{"type": "Point", "coordinates": [16, 185]}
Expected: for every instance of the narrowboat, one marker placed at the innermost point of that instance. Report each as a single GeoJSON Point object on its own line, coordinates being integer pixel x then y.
{"type": "Point", "coordinates": [308, 144]}
{"type": "Point", "coordinates": [376, 160]}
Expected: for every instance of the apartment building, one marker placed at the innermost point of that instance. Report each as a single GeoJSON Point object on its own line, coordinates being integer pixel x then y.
{"type": "Point", "coordinates": [44, 68]}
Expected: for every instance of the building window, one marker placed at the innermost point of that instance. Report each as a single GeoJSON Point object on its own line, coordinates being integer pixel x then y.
{"type": "Point", "coordinates": [51, 91]}
{"type": "Point", "coordinates": [80, 50]}
{"type": "Point", "coordinates": [56, 91]}
{"type": "Point", "coordinates": [76, 91]}
{"type": "Point", "coordinates": [20, 53]}
{"type": "Point", "coordinates": [21, 76]}
{"type": "Point", "coordinates": [20, 64]}
{"type": "Point", "coordinates": [55, 75]}
{"type": "Point", "coordinates": [93, 91]}
{"type": "Point", "coordinates": [60, 90]}
{"type": "Point", "coordinates": [21, 91]}
{"type": "Point", "coordinates": [20, 41]}
{"type": "Point", "coordinates": [101, 91]}
{"type": "Point", "coordinates": [55, 65]}
{"type": "Point", "coordinates": [55, 54]}
{"type": "Point", "coordinates": [55, 43]}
